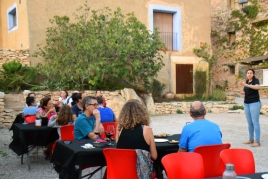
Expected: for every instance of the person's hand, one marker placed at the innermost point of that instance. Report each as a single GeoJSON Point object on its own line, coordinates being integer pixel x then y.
{"type": "Point", "coordinates": [243, 83]}
{"type": "Point", "coordinates": [96, 114]}
{"type": "Point", "coordinates": [52, 110]}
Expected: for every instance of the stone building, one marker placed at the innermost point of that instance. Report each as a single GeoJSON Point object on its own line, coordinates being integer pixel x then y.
{"type": "Point", "coordinates": [239, 36]}
{"type": "Point", "coordinates": [23, 25]}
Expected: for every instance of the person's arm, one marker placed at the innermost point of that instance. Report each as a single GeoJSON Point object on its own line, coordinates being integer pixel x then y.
{"type": "Point", "coordinates": [149, 138]}
{"type": "Point", "coordinates": [92, 135]}
{"type": "Point", "coordinates": [118, 132]}
{"type": "Point", "coordinates": [47, 113]}
{"type": "Point", "coordinates": [255, 87]}
{"type": "Point", "coordinates": [182, 150]}
{"type": "Point", "coordinates": [52, 121]}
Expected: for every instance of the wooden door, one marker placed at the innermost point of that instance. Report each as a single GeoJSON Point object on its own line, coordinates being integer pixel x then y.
{"type": "Point", "coordinates": [184, 79]}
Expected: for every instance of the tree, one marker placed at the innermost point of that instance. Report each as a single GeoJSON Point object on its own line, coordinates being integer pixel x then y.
{"type": "Point", "coordinates": [100, 46]}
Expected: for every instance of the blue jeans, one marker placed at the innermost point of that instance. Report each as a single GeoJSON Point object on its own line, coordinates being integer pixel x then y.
{"type": "Point", "coordinates": [252, 111]}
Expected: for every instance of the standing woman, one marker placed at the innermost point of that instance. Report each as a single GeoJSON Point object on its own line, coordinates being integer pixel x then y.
{"type": "Point", "coordinates": [252, 106]}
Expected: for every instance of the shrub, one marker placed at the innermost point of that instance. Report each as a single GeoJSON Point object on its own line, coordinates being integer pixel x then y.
{"type": "Point", "coordinates": [157, 89]}
{"type": "Point", "coordinates": [15, 77]}
{"type": "Point", "coordinates": [235, 107]}
{"type": "Point", "coordinates": [179, 111]}
{"type": "Point", "coordinates": [218, 95]}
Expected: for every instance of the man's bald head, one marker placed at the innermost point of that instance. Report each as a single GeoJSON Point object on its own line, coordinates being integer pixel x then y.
{"type": "Point", "coordinates": [197, 109]}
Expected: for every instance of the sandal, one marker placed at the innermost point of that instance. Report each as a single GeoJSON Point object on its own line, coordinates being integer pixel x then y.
{"type": "Point", "coordinates": [249, 142]}
{"type": "Point", "coordinates": [256, 144]}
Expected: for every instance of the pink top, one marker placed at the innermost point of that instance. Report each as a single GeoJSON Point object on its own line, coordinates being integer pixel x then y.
{"type": "Point", "coordinates": [44, 113]}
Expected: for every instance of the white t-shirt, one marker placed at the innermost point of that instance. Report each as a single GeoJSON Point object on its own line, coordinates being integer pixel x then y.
{"type": "Point", "coordinates": [65, 100]}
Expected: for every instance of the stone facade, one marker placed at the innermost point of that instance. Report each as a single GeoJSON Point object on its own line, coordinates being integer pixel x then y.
{"type": "Point", "coordinates": [7, 55]}
{"type": "Point", "coordinates": [231, 53]}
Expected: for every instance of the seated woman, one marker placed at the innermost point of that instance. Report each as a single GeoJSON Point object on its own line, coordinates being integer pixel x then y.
{"type": "Point", "coordinates": [133, 130]}
{"type": "Point", "coordinates": [64, 97]}
{"type": "Point", "coordinates": [46, 108]}
{"type": "Point", "coordinates": [31, 106]}
{"type": "Point", "coordinates": [77, 109]}
{"type": "Point", "coordinates": [65, 117]}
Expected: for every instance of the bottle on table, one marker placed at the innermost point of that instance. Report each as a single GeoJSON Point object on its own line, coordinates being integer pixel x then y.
{"type": "Point", "coordinates": [229, 172]}
{"type": "Point", "coordinates": [37, 119]}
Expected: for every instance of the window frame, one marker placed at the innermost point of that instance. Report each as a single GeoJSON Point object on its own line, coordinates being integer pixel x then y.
{"type": "Point", "coordinates": [11, 19]}
{"type": "Point", "coordinates": [177, 44]}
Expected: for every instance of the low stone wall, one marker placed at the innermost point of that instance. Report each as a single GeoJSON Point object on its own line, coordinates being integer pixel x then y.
{"type": "Point", "coordinates": [7, 55]}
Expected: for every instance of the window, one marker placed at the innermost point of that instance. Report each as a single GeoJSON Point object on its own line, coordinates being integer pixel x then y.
{"type": "Point", "coordinates": [168, 20]}
{"type": "Point", "coordinates": [232, 70]}
{"type": "Point", "coordinates": [12, 18]}
{"type": "Point", "coordinates": [231, 4]}
{"type": "Point", "coordinates": [231, 38]}
{"type": "Point", "coordinates": [164, 23]}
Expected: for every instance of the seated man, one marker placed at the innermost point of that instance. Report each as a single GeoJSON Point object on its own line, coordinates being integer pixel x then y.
{"type": "Point", "coordinates": [200, 132]}
{"type": "Point", "coordinates": [77, 109]}
{"type": "Point", "coordinates": [31, 106]}
{"type": "Point", "coordinates": [106, 113]}
{"type": "Point", "coordinates": [88, 123]}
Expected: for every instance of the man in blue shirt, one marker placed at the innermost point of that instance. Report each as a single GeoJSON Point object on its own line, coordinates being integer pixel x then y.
{"type": "Point", "coordinates": [200, 132]}
{"type": "Point", "coordinates": [88, 123]}
{"type": "Point", "coordinates": [106, 113]}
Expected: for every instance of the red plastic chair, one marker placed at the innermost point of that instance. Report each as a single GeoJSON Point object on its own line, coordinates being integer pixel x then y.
{"type": "Point", "coordinates": [105, 124]}
{"type": "Point", "coordinates": [183, 165]}
{"type": "Point", "coordinates": [30, 118]}
{"type": "Point", "coordinates": [242, 159]}
{"type": "Point", "coordinates": [67, 132]}
{"type": "Point", "coordinates": [121, 163]}
{"type": "Point", "coordinates": [213, 165]}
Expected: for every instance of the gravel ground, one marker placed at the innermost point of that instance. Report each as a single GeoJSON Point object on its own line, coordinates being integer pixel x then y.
{"type": "Point", "coordinates": [233, 126]}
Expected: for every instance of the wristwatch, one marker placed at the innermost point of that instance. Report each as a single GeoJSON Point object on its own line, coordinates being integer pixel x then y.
{"type": "Point", "coordinates": [246, 85]}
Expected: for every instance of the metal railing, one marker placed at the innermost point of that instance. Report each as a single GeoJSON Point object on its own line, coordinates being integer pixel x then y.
{"type": "Point", "coordinates": [170, 39]}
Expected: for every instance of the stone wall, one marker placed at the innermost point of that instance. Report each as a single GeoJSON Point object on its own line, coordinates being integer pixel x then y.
{"type": "Point", "coordinates": [7, 55]}
{"type": "Point", "coordinates": [116, 99]}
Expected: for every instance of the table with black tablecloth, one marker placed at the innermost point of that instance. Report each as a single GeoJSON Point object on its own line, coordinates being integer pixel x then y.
{"type": "Point", "coordinates": [251, 176]}
{"type": "Point", "coordinates": [25, 135]}
{"type": "Point", "coordinates": [66, 156]}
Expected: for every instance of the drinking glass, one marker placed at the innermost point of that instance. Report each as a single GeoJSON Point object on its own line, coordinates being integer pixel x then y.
{"type": "Point", "coordinates": [109, 133]}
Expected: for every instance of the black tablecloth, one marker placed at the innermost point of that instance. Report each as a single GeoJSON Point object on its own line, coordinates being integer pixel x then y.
{"type": "Point", "coordinates": [66, 156]}
{"type": "Point", "coordinates": [26, 135]}
{"type": "Point", "coordinates": [251, 176]}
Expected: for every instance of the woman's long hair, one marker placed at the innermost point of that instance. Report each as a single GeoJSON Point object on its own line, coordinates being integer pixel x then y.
{"type": "Point", "coordinates": [133, 113]}
{"type": "Point", "coordinates": [44, 102]}
{"type": "Point", "coordinates": [65, 115]}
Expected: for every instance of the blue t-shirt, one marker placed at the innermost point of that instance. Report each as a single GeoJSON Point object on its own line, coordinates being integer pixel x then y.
{"type": "Point", "coordinates": [106, 114]}
{"type": "Point", "coordinates": [83, 126]}
{"type": "Point", "coordinates": [29, 110]}
{"type": "Point", "coordinates": [76, 110]}
{"type": "Point", "coordinates": [200, 132]}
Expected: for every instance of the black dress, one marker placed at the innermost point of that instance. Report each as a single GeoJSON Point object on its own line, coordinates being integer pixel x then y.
{"type": "Point", "coordinates": [133, 139]}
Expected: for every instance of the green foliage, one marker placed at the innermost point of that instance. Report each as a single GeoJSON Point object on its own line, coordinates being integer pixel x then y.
{"type": "Point", "coordinates": [157, 89]}
{"type": "Point", "coordinates": [223, 40]}
{"type": "Point", "coordinates": [204, 52]}
{"type": "Point", "coordinates": [200, 78]}
{"type": "Point", "coordinates": [100, 45]}
{"type": "Point", "coordinates": [218, 95]}
{"type": "Point", "coordinates": [15, 77]}
{"type": "Point", "coordinates": [236, 107]}
{"type": "Point", "coordinates": [251, 11]}
{"type": "Point", "coordinates": [259, 39]}
{"type": "Point", "coordinates": [11, 67]}
{"type": "Point", "coordinates": [179, 111]}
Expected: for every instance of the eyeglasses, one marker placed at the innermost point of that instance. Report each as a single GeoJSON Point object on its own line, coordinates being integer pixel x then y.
{"type": "Point", "coordinates": [95, 105]}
